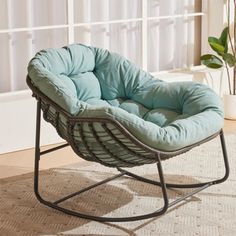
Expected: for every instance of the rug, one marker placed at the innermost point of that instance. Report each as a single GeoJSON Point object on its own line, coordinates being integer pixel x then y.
{"type": "Point", "coordinates": [211, 212]}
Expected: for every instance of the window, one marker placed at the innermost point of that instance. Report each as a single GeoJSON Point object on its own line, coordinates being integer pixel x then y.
{"type": "Point", "coordinates": [155, 34]}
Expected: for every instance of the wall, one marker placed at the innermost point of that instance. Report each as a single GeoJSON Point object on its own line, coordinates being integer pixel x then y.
{"type": "Point", "coordinates": [17, 123]}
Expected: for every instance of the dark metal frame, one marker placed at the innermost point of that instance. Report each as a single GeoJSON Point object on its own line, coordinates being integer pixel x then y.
{"type": "Point", "coordinates": [158, 157]}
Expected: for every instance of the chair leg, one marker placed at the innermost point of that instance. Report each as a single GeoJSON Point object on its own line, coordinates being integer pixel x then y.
{"type": "Point", "coordinates": [161, 183]}
{"type": "Point", "coordinates": [37, 151]}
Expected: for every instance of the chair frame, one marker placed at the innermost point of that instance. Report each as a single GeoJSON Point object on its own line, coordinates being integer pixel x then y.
{"type": "Point", "coordinates": [71, 120]}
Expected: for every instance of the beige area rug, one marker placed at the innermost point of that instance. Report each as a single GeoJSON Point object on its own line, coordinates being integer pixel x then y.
{"type": "Point", "coordinates": [211, 212]}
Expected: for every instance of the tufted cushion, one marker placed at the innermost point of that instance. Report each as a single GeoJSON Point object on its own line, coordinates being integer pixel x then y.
{"type": "Point", "coordinates": [87, 86]}
{"type": "Point", "coordinates": [93, 82]}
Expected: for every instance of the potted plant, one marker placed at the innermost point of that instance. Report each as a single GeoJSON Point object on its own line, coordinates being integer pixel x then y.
{"type": "Point", "coordinates": [225, 59]}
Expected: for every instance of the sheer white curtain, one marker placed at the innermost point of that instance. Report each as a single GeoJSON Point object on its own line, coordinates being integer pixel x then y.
{"type": "Point", "coordinates": [123, 38]}
{"type": "Point", "coordinates": [16, 48]}
{"type": "Point", "coordinates": [171, 42]}
{"type": "Point", "coordinates": [126, 37]}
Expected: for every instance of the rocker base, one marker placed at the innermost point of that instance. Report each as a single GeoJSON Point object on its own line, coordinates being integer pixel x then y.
{"type": "Point", "coordinates": [197, 187]}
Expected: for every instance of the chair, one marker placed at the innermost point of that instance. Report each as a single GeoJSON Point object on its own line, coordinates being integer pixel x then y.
{"type": "Point", "coordinates": [111, 112]}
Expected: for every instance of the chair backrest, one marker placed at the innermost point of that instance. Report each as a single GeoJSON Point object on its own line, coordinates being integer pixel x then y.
{"type": "Point", "coordinates": [76, 73]}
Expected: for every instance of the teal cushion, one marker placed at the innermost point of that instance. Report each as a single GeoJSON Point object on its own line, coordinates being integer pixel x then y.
{"type": "Point", "coordinates": [118, 77]}
{"type": "Point", "coordinates": [93, 82]}
{"type": "Point", "coordinates": [87, 86]}
{"type": "Point", "coordinates": [161, 116]}
{"type": "Point", "coordinates": [134, 108]}
{"type": "Point", "coordinates": [98, 102]}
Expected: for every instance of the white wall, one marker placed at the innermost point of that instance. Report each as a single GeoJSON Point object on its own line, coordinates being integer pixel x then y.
{"type": "Point", "coordinates": [17, 123]}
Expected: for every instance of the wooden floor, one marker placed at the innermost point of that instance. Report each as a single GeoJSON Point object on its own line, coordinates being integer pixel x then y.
{"type": "Point", "coordinates": [21, 162]}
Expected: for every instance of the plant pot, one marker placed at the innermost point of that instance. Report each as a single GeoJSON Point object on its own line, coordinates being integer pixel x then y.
{"type": "Point", "coordinates": [230, 106]}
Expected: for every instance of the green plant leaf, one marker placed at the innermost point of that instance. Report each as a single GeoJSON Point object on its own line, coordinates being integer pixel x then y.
{"type": "Point", "coordinates": [229, 59]}
{"type": "Point", "coordinates": [211, 61]}
{"type": "Point", "coordinates": [224, 38]}
{"type": "Point", "coordinates": [216, 45]}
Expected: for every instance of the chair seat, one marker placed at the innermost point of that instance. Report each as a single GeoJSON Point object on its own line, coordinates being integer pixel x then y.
{"type": "Point", "coordinates": [159, 116]}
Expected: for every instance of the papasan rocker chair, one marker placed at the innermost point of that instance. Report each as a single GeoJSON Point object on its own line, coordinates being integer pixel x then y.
{"type": "Point", "coordinates": [111, 112]}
